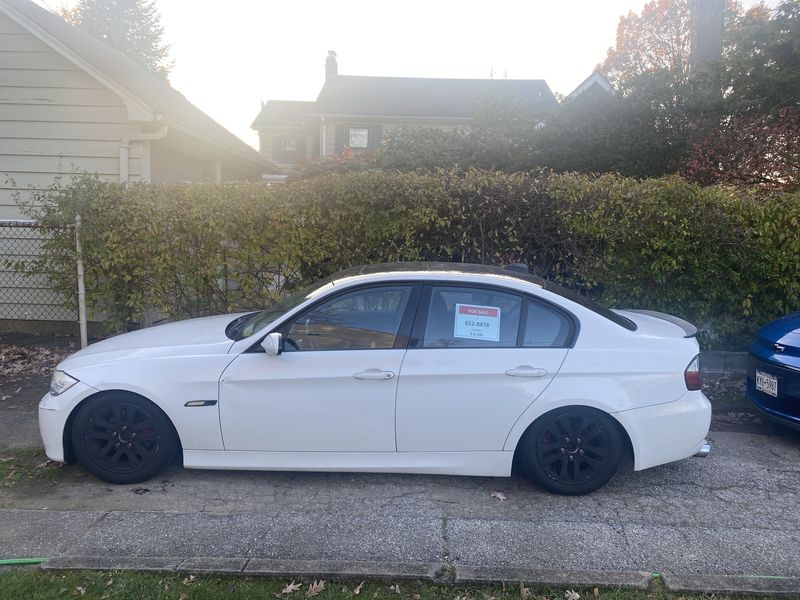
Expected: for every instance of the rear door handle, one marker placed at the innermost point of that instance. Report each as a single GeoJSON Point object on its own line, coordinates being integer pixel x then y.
{"type": "Point", "coordinates": [526, 371]}
{"type": "Point", "coordinates": [374, 375]}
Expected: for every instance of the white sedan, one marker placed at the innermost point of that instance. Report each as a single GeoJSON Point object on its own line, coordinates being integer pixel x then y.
{"type": "Point", "coordinates": [403, 368]}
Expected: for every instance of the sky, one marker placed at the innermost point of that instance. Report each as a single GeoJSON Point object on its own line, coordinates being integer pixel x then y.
{"type": "Point", "coordinates": [230, 55]}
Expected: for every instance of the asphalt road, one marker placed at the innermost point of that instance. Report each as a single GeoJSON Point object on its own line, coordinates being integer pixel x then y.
{"type": "Point", "coordinates": [734, 512]}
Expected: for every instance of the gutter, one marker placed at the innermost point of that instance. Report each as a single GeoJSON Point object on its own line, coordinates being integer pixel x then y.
{"type": "Point", "coordinates": [125, 148]}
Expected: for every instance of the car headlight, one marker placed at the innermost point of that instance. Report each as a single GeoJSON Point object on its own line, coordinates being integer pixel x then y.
{"type": "Point", "coordinates": [60, 383]}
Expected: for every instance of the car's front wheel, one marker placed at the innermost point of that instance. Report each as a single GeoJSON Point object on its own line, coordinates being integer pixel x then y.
{"type": "Point", "coordinates": [572, 450]}
{"type": "Point", "coordinates": [122, 438]}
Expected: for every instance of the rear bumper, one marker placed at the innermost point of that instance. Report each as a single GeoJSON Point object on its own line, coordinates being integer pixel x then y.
{"type": "Point", "coordinates": [667, 432]}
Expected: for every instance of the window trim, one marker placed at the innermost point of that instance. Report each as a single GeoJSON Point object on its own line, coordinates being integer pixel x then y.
{"type": "Point", "coordinates": [421, 320]}
{"type": "Point", "coordinates": [403, 332]}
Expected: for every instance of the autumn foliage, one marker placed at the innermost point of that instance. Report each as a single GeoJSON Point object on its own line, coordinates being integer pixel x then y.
{"type": "Point", "coordinates": [750, 150]}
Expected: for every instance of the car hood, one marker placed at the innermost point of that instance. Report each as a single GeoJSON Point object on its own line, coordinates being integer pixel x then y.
{"type": "Point", "coordinates": [789, 323]}
{"type": "Point", "coordinates": [205, 335]}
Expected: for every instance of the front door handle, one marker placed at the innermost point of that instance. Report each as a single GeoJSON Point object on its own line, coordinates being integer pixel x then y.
{"type": "Point", "coordinates": [374, 375]}
{"type": "Point", "coordinates": [526, 371]}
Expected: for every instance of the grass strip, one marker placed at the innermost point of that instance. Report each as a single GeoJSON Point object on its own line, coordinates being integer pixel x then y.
{"type": "Point", "coordinates": [35, 584]}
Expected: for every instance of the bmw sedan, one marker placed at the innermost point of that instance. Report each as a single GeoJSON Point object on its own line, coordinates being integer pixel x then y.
{"type": "Point", "coordinates": [403, 368]}
{"type": "Point", "coordinates": [773, 371]}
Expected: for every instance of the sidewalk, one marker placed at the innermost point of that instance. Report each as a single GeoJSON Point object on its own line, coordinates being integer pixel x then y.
{"type": "Point", "coordinates": [701, 522]}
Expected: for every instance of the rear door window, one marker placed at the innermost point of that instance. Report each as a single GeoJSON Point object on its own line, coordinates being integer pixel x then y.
{"type": "Point", "coordinates": [545, 327]}
{"type": "Point", "coordinates": [471, 317]}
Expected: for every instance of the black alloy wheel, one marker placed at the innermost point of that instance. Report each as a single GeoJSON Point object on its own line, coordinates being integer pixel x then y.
{"type": "Point", "coordinates": [123, 438]}
{"type": "Point", "coordinates": [572, 451]}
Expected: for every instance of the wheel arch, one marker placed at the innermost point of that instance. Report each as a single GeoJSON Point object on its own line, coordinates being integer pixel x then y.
{"type": "Point", "coordinates": [66, 439]}
{"type": "Point", "coordinates": [623, 432]}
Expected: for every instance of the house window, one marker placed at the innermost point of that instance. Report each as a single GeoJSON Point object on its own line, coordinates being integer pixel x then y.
{"type": "Point", "coordinates": [289, 144]}
{"type": "Point", "coordinates": [358, 137]}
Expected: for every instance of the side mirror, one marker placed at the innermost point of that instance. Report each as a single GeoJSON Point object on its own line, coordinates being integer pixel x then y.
{"type": "Point", "coordinates": [273, 344]}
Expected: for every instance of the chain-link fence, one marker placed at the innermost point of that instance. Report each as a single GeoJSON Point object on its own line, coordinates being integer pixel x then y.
{"type": "Point", "coordinates": [25, 296]}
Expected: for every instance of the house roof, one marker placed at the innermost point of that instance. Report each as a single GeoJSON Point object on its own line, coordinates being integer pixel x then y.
{"type": "Point", "coordinates": [597, 81]}
{"type": "Point", "coordinates": [284, 113]}
{"type": "Point", "coordinates": [137, 82]}
{"type": "Point", "coordinates": [423, 97]}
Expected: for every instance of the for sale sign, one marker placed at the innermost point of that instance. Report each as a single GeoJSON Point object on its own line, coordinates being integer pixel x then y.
{"type": "Point", "coordinates": [473, 321]}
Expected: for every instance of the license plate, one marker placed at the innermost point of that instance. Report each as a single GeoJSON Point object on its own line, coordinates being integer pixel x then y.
{"type": "Point", "coordinates": [767, 383]}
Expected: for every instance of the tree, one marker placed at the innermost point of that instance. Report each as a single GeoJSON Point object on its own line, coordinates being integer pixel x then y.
{"type": "Point", "coordinates": [707, 22]}
{"type": "Point", "coordinates": [656, 42]}
{"type": "Point", "coordinates": [762, 59]}
{"type": "Point", "coordinates": [131, 26]}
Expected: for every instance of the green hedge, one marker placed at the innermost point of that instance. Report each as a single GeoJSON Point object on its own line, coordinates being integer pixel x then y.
{"type": "Point", "coordinates": [724, 258]}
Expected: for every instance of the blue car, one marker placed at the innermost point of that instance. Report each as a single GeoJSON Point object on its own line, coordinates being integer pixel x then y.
{"type": "Point", "coordinates": [773, 371]}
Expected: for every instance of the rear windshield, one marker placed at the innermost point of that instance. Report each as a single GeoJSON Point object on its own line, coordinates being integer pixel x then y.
{"type": "Point", "coordinates": [590, 304]}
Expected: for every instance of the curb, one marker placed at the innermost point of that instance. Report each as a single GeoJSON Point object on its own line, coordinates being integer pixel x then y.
{"type": "Point", "coordinates": [249, 566]}
{"type": "Point", "coordinates": [464, 574]}
{"type": "Point", "coordinates": [733, 584]}
{"type": "Point", "coordinates": [555, 578]}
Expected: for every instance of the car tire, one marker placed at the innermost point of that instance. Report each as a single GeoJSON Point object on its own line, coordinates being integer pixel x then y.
{"type": "Point", "coordinates": [572, 451]}
{"type": "Point", "coordinates": [123, 438]}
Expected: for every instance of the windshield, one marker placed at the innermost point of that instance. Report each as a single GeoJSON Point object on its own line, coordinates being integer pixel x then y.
{"type": "Point", "coordinates": [247, 325]}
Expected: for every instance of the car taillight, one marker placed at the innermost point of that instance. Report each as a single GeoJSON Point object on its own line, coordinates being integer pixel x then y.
{"type": "Point", "coordinates": [692, 375]}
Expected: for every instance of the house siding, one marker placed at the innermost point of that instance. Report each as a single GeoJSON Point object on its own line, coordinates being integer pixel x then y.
{"type": "Point", "coordinates": [267, 138]}
{"type": "Point", "coordinates": [55, 120]}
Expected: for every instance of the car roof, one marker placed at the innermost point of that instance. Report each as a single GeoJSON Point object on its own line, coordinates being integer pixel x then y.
{"type": "Point", "coordinates": [437, 267]}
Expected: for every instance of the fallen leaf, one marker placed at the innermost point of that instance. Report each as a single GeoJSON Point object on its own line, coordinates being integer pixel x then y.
{"type": "Point", "coordinates": [524, 593]}
{"type": "Point", "coordinates": [291, 587]}
{"type": "Point", "coordinates": [596, 592]}
{"type": "Point", "coordinates": [188, 580]}
{"type": "Point", "coordinates": [182, 596]}
{"type": "Point", "coordinates": [11, 474]}
{"type": "Point", "coordinates": [394, 588]}
{"type": "Point", "coordinates": [105, 596]}
{"type": "Point", "coordinates": [81, 590]}
{"type": "Point", "coordinates": [109, 583]}
{"type": "Point", "coordinates": [572, 595]}
{"type": "Point", "coordinates": [358, 588]}
{"type": "Point", "coordinates": [140, 491]}
{"type": "Point", "coordinates": [44, 464]}
{"type": "Point", "coordinates": [315, 588]}
{"type": "Point", "coordinates": [416, 596]}
{"type": "Point", "coordinates": [461, 598]}
{"type": "Point", "coordinates": [499, 495]}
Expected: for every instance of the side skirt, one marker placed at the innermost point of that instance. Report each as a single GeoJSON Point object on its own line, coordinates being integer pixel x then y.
{"type": "Point", "coordinates": [484, 464]}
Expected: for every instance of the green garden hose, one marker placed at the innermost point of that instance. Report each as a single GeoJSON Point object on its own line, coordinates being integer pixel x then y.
{"type": "Point", "coordinates": [21, 561]}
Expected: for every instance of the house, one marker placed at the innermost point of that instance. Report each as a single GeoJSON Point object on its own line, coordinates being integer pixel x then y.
{"type": "Point", "coordinates": [355, 112]}
{"type": "Point", "coordinates": [596, 83]}
{"type": "Point", "coordinates": [70, 103]}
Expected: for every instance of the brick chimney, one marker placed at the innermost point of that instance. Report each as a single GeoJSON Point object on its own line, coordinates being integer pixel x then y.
{"type": "Point", "coordinates": [331, 66]}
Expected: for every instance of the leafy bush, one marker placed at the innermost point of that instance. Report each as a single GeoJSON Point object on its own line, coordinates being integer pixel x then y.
{"type": "Point", "coordinates": [724, 258]}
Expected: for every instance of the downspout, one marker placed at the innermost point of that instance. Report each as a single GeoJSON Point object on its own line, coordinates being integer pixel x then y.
{"type": "Point", "coordinates": [125, 148]}
{"type": "Point", "coordinates": [323, 138]}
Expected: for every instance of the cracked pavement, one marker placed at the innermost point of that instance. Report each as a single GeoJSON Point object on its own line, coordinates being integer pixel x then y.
{"type": "Point", "coordinates": [734, 512]}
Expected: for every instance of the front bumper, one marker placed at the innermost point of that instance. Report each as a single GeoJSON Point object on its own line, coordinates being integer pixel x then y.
{"type": "Point", "coordinates": [785, 409]}
{"type": "Point", "coordinates": [54, 411]}
{"type": "Point", "coordinates": [668, 432]}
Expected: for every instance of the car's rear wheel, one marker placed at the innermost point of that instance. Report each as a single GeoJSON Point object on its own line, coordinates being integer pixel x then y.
{"type": "Point", "coordinates": [572, 451]}
{"type": "Point", "coordinates": [123, 438]}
